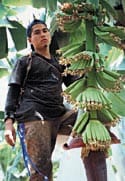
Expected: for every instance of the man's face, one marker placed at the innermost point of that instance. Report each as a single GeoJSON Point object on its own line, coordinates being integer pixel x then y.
{"type": "Point", "coordinates": [40, 36]}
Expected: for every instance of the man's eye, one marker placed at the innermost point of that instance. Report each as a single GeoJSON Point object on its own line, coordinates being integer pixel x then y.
{"type": "Point", "coordinates": [36, 32]}
{"type": "Point", "coordinates": [45, 30]}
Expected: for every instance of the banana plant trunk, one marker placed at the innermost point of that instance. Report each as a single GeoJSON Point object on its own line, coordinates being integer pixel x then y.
{"type": "Point", "coordinates": [95, 166]}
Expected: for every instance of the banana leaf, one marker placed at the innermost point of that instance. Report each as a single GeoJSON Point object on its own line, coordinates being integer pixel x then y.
{"type": "Point", "coordinates": [65, 1]}
{"type": "Point", "coordinates": [3, 43]}
{"type": "Point", "coordinates": [6, 11]}
{"type": "Point", "coordinates": [49, 5]}
{"type": "Point", "coordinates": [5, 23]}
{"type": "Point", "coordinates": [52, 5]}
{"type": "Point", "coordinates": [79, 34]}
{"type": "Point", "coordinates": [17, 2]}
{"type": "Point", "coordinates": [118, 102]}
{"type": "Point", "coordinates": [113, 56]}
{"type": "Point", "coordinates": [3, 69]}
{"type": "Point", "coordinates": [39, 3]}
{"type": "Point", "coordinates": [3, 72]}
{"type": "Point", "coordinates": [3, 11]}
{"type": "Point", "coordinates": [18, 34]}
{"type": "Point", "coordinates": [106, 5]}
{"type": "Point", "coordinates": [1, 116]}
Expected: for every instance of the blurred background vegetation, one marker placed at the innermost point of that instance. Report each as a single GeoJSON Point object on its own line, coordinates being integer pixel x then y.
{"type": "Point", "coordinates": [14, 17]}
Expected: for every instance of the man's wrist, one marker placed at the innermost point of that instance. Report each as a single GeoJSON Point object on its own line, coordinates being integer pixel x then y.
{"type": "Point", "coordinates": [9, 116]}
{"type": "Point", "coordinates": [9, 121]}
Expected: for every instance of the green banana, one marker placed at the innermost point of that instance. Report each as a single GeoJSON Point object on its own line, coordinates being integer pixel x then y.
{"type": "Point", "coordinates": [74, 84]}
{"type": "Point", "coordinates": [86, 135]}
{"type": "Point", "coordinates": [75, 65]}
{"type": "Point", "coordinates": [70, 25]}
{"type": "Point", "coordinates": [74, 89]}
{"type": "Point", "coordinates": [68, 47]}
{"type": "Point", "coordinates": [96, 133]}
{"type": "Point", "coordinates": [105, 101]}
{"type": "Point", "coordinates": [118, 31]}
{"type": "Point", "coordinates": [108, 117]}
{"type": "Point", "coordinates": [98, 62]}
{"type": "Point", "coordinates": [108, 38]}
{"type": "Point", "coordinates": [80, 123]}
{"type": "Point", "coordinates": [79, 87]}
{"type": "Point", "coordinates": [73, 50]}
{"type": "Point", "coordinates": [108, 81]}
{"type": "Point", "coordinates": [94, 97]}
{"type": "Point", "coordinates": [113, 74]}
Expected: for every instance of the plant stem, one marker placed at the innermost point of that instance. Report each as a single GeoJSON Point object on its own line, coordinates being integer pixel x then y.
{"type": "Point", "coordinates": [90, 36]}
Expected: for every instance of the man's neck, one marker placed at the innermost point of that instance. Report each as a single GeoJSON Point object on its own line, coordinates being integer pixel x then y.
{"type": "Point", "coordinates": [44, 52]}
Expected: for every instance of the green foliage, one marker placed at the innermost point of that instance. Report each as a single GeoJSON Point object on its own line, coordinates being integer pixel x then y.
{"type": "Point", "coordinates": [4, 43]}
{"type": "Point", "coordinates": [11, 159]}
{"type": "Point", "coordinates": [112, 55]}
{"type": "Point", "coordinates": [16, 2]}
{"type": "Point", "coordinates": [5, 23]}
{"type": "Point", "coordinates": [18, 34]}
{"type": "Point", "coordinates": [55, 168]}
{"type": "Point", "coordinates": [11, 162]}
{"type": "Point", "coordinates": [6, 11]}
{"type": "Point", "coordinates": [3, 71]}
{"type": "Point", "coordinates": [118, 102]}
{"type": "Point", "coordinates": [1, 117]}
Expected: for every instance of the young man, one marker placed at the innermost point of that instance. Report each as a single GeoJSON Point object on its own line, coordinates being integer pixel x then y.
{"type": "Point", "coordinates": [40, 107]}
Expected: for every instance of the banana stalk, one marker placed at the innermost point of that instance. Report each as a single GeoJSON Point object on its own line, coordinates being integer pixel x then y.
{"type": "Point", "coordinates": [88, 94]}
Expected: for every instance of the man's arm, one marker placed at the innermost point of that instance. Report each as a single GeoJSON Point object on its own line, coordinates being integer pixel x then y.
{"type": "Point", "coordinates": [10, 108]}
{"type": "Point", "coordinates": [10, 133]}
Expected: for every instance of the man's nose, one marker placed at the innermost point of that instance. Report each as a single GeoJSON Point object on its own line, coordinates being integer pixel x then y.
{"type": "Point", "coordinates": [42, 33]}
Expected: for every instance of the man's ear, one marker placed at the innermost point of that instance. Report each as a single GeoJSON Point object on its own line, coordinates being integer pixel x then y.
{"type": "Point", "coordinates": [29, 39]}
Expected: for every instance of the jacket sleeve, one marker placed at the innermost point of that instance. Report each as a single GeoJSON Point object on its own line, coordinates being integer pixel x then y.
{"type": "Point", "coordinates": [11, 101]}
{"type": "Point", "coordinates": [18, 72]}
{"type": "Point", "coordinates": [68, 79]}
{"type": "Point", "coordinates": [15, 82]}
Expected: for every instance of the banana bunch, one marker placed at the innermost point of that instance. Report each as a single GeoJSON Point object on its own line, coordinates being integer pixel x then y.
{"type": "Point", "coordinates": [70, 26]}
{"type": "Point", "coordinates": [99, 62]}
{"type": "Point", "coordinates": [74, 89]}
{"type": "Point", "coordinates": [80, 67]}
{"type": "Point", "coordinates": [68, 8]}
{"type": "Point", "coordinates": [109, 38]}
{"type": "Point", "coordinates": [96, 136]}
{"type": "Point", "coordinates": [92, 99]}
{"type": "Point", "coordinates": [108, 117]}
{"type": "Point", "coordinates": [80, 63]}
{"type": "Point", "coordinates": [77, 6]}
{"type": "Point", "coordinates": [109, 80]}
{"type": "Point", "coordinates": [68, 23]}
{"type": "Point", "coordinates": [118, 31]}
{"type": "Point", "coordinates": [80, 123]}
{"type": "Point", "coordinates": [69, 51]}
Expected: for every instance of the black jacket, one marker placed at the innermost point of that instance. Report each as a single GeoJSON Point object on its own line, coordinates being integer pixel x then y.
{"type": "Point", "coordinates": [42, 92]}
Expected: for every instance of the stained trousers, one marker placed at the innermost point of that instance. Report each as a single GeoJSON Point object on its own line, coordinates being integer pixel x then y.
{"type": "Point", "coordinates": [40, 137]}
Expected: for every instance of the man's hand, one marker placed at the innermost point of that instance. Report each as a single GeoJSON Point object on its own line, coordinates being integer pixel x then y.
{"type": "Point", "coordinates": [10, 133]}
